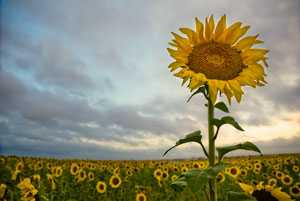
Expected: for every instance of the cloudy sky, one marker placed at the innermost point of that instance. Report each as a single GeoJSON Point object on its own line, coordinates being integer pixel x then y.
{"type": "Point", "coordinates": [89, 79]}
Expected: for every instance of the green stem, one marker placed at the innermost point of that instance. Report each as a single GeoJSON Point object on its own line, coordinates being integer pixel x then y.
{"type": "Point", "coordinates": [211, 151]}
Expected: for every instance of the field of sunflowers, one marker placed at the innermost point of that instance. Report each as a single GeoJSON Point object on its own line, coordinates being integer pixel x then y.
{"type": "Point", "coordinates": [24, 178]}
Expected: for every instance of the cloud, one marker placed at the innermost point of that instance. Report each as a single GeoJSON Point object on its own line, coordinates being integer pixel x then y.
{"type": "Point", "coordinates": [86, 81]}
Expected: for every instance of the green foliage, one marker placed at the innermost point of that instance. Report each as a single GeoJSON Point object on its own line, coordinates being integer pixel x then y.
{"type": "Point", "coordinates": [246, 146]}
{"type": "Point", "coordinates": [226, 120]}
{"type": "Point", "coordinates": [222, 106]}
{"type": "Point", "coordinates": [192, 137]}
{"type": "Point", "coordinates": [235, 196]}
{"type": "Point", "coordinates": [196, 179]}
{"type": "Point", "coordinates": [199, 90]}
{"type": "Point", "coordinates": [179, 184]}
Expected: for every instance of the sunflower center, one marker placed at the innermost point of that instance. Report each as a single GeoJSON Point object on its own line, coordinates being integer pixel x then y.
{"type": "Point", "coordinates": [263, 195]}
{"type": "Point", "coordinates": [216, 61]}
{"type": "Point", "coordinates": [101, 187]}
{"type": "Point", "coordinates": [295, 190]}
{"type": "Point", "coordinates": [115, 181]}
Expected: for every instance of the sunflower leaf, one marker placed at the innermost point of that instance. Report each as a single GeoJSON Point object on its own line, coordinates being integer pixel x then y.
{"type": "Point", "coordinates": [235, 196]}
{"type": "Point", "coordinates": [196, 179]}
{"type": "Point", "coordinates": [179, 184]}
{"type": "Point", "coordinates": [246, 146]}
{"type": "Point", "coordinates": [192, 137]}
{"type": "Point", "coordinates": [199, 90]}
{"type": "Point", "coordinates": [222, 106]}
{"type": "Point", "coordinates": [226, 120]}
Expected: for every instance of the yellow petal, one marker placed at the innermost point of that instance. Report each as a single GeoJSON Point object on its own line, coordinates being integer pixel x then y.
{"type": "Point", "coordinates": [197, 80]}
{"type": "Point", "coordinates": [247, 42]}
{"type": "Point", "coordinates": [247, 188]}
{"type": "Point", "coordinates": [209, 28]}
{"type": "Point", "coordinates": [236, 89]}
{"type": "Point", "coordinates": [238, 35]}
{"type": "Point", "coordinates": [229, 33]}
{"type": "Point", "coordinates": [183, 43]}
{"type": "Point", "coordinates": [175, 65]}
{"type": "Point", "coordinates": [191, 34]}
{"type": "Point", "coordinates": [176, 54]}
{"type": "Point", "coordinates": [252, 56]}
{"type": "Point", "coordinates": [213, 90]}
{"type": "Point", "coordinates": [221, 26]}
{"type": "Point", "coordinates": [199, 30]}
{"type": "Point", "coordinates": [228, 92]}
{"type": "Point", "coordinates": [245, 81]}
{"type": "Point", "coordinates": [221, 85]}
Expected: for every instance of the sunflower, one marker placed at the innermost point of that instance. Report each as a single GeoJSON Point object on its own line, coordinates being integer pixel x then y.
{"type": "Point", "coordinates": [27, 190]}
{"type": "Point", "coordinates": [174, 177]}
{"type": "Point", "coordinates": [295, 191]}
{"type": "Point", "coordinates": [157, 174]}
{"type": "Point", "coordinates": [272, 182]}
{"type": "Point", "coordinates": [101, 187]}
{"type": "Point", "coordinates": [2, 190]}
{"type": "Point", "coordinates": [141, 197]}
{"type": "Point", "coordinates": [295, 168]}
{"type": "Point", "coordinates": [278, 174]}
{"type": "Point", "coordinates": [165, 175]}
{"type": "Point", "coordinates": [74, 168]}
{"type": "Point", "coordinates": [244, 172]}
{"type": "Point", "coordinates": [59, 171]}
{"type": "Point", "coordinates": [220, 177]}
{"type": "Point", "coordinates": [91, 176]}
{"type": "Point", "coordinates": [265, 193]}
{"type": "Point", "coordinates": [234, 172]}
{"type": "Point", "coordinates": [184, 169]}
{"type": "Point", "coordinates": [216, 57]}
{"type": "Point", "coordinates": [81, 175]}
{"type": "Point", "coordinates": [115, 181]}
{"type": "Point", "coordinates": [286, 180]}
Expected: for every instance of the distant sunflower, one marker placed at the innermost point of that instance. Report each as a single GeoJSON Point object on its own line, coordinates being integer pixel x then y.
{"type": "Point", "coordinates": [286, 180]}
{"type": "Point", "coordinates": [295, 191]}
{"type": "Point", "coordinates": [174, 177]}
{"type": "Point", "coordinates": [59, 171]}
{"type": "Point", "coordinates": [81, 175]}
{"type": "Point", "coordinates": [165, 175]}
{"type": "Point", "coordinates": [74, 169]}
{"type": "Point", "coordinates": [215, 56]}
{"type": "Point", "coordinates": [141, 197]}
{"type": "Point", "coordinates": [234, 172]}
{"type": "Point", "coordinates": [91, 176]}
{"type": "Point", "coordinates": [101, 187]}
{"type": "Point", "coordinates": [272, 182]}
{"type": "Point", "coordinates": [157, 173]}
{"type": "Point", "coordinates": [265, 193]}
{"type": "Point", "coordinates": [115, 181]}
{"type": "Point", "coordinates": [220, 177]}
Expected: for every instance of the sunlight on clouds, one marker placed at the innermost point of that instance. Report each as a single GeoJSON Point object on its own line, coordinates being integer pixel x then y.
{"type": "Point", "coordinates": [279, 128]}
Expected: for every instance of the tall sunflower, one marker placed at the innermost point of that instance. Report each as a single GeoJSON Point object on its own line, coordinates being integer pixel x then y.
{"type": "Point", "coordinates": [265, 193]}
{"type": "Point", "coordinates": [219, 58]}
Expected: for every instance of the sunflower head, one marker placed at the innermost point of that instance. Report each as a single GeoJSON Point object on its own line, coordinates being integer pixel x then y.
{"type": "Point", "coordinates": [265, 193]}
{"type": "Point", "coordinates": [217, 56]}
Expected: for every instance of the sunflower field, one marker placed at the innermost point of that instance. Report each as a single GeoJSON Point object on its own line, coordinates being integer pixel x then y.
{"type": "Point", "coordinates": [24, 178]}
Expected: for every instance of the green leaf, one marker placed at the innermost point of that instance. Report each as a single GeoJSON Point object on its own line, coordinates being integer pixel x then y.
{"type": "Point", "coordinates": [235, 196]}
{"type": "Point", "coordinates": [179, 184]}
{"type": "Point", "coordinates": [192, 137]}
{"type": "Point", "coordinates": [246, 146]}
{"type": "Point", "coordinates": [196, 179]}
{"type": "Point", "coordinates": [226, 120]}
{"type": "Point", "coordinates": [199, 90]}
{"type": "Point", "coordinates": [222, 106]}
